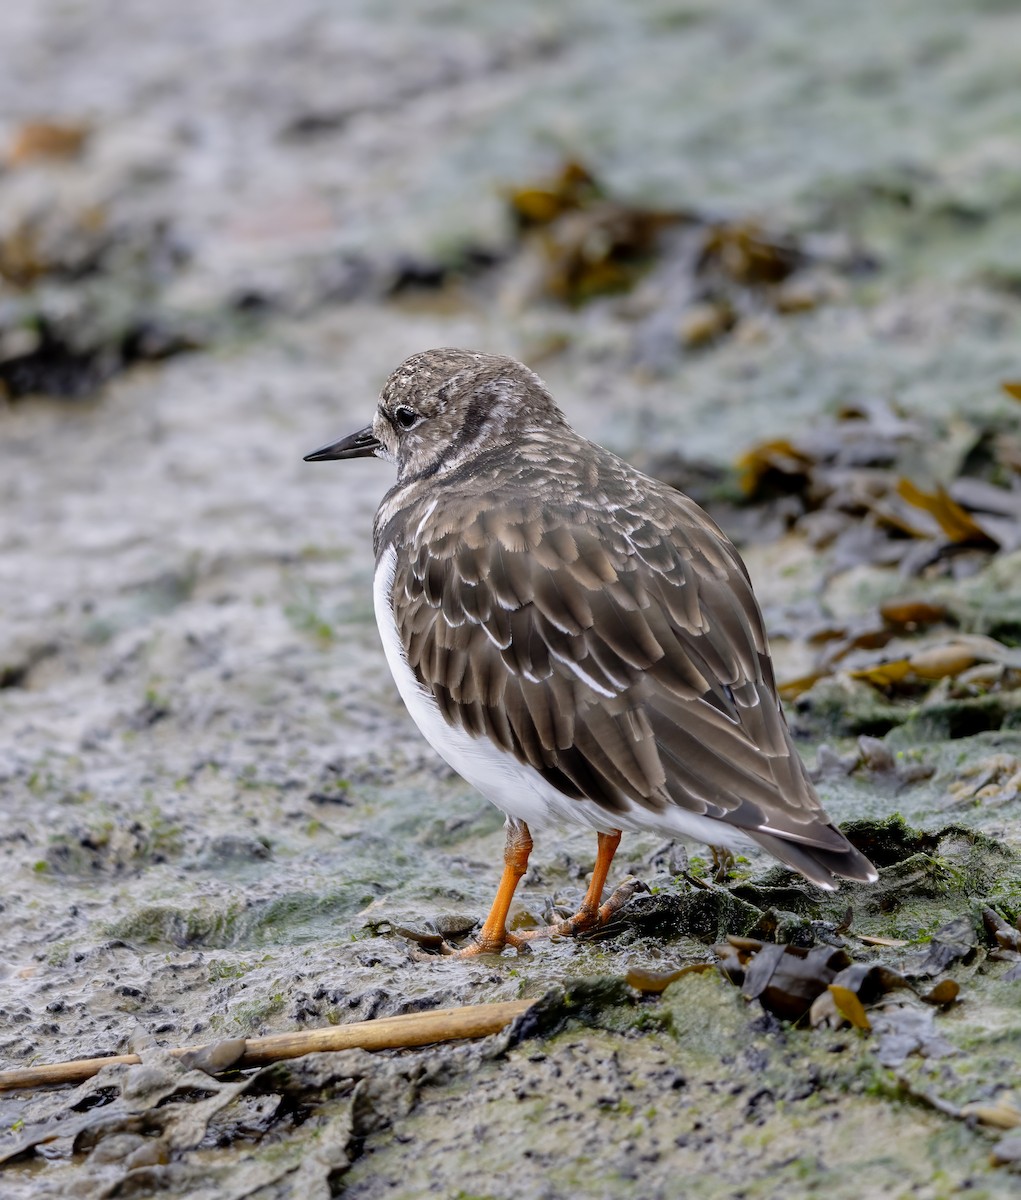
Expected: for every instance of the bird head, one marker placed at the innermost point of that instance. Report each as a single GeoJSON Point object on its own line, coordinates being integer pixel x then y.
{"type": "Point", "coordinates": [441, 408]}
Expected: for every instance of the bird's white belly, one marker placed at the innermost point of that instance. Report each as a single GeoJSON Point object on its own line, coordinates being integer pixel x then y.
{"type": "Point", "coordinates": [513, 786]}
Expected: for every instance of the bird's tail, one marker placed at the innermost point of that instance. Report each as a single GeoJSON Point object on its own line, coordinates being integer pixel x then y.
{"type": "Point", "coordinates": [820, 865]}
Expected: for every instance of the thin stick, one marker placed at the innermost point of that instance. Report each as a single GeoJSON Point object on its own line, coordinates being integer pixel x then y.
{"type": "Point", "coordinates": [386, 1033]}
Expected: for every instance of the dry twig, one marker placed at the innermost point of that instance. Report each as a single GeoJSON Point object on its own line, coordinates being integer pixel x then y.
{"type": "Point", "coordinates": [387, 1033]}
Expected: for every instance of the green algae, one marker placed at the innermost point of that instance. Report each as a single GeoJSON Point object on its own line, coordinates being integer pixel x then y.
{"type": "Point", "coordinates": [712, 1094]}
{"type": "Point", "coordinates": [302, 916]}
{"type": "Point", "coordinates": [247, 1017]}
{"type": "Point", "coordinates": [207, 925]}
{"type": "Point", "coordinates": [964, 717]}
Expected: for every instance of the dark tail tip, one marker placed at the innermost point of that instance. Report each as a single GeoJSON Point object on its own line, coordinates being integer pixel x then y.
{"type": "Point", "coordinates": [820, 866]}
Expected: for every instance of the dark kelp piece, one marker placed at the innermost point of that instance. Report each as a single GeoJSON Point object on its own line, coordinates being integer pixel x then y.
{"type": "Point", "coordinates": [792, 981]}
{"type": "Point", "coordinates": [784, 979]}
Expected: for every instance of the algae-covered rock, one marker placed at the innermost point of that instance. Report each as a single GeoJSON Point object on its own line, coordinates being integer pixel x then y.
{"type": "Point", "coordinates": [587, 1003]}
{"type": "Point", "coordinates": [840, 707]}
{"type": "Point", "coordinates": [960, 718]}
{"type": "Point", "coordinates": [702, 915]}
{"type": "Point", "coordinates": [926, 877]}
{"type": "Point", "coordinates": [204, 925]}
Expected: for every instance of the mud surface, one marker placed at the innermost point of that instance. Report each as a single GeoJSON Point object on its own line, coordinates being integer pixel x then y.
{"type": "Point", "coordinates": [214, 812]}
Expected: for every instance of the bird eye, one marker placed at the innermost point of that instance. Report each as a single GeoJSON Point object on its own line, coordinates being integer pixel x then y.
{"type": "Point", "coordinates": [405, 417]}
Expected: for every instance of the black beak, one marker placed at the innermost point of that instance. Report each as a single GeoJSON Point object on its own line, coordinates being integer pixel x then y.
{"type": "Point", "coordinates": [362, 444]}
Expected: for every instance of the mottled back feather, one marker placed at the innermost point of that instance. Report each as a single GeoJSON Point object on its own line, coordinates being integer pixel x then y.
{"type": "Point", "coordinates": [598, 626]}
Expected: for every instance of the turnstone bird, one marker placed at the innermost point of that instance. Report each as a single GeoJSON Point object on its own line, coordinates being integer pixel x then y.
{"type": "Point", "coordinates": [580, 642]}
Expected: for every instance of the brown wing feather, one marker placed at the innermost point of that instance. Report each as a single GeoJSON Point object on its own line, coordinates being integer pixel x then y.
{"type": "Point", "coordinates": [628, 669]}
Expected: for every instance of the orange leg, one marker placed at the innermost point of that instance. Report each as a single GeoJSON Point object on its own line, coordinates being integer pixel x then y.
{"type": "Point", "coordinates": [606, 848]}
{"type": "Point", "coordinates": [592, 913]}
{"type": "Point", "coordinates": [494, 936]}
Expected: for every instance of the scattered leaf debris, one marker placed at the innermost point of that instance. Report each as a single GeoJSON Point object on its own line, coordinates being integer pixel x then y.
{"type": "Point", "coordinates": [706, 274]}
{"type": "Point", "coordinates": [993, 782]}
{"type": "Point", "coordinates": [1003, 1113]}
{"type": "Point", "coordinates": [822, 983]}
{"type": "Point", "coordinates": [651, 983]}
{"type": "Point", "coordinates": [41, 140]}
{"type": "Point", "coordinates": [855, 494]}
{"type": "Point", "coordinates": [589, 244]}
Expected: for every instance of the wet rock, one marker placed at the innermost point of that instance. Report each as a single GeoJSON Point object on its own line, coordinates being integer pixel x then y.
{"type": "Point", "coordinates": [203, 926]}
{"type": "Point", "coordinates": [840, 707]}
{"type": "Point", "coordinates": [236, 847]}
{"type": "Point", "coordinates": [589, 1002]}
{"type": "Point", "coordinates": [904, 1030]}
{"type": "Point", "coordinates": [829, 763]}
{"type": "Point", "coordinates": [777, 925]}
{"type": "Point", "coordinates": [86, 283]}
{"type": "Point", "coordinates": [892, 840]}
{"type": "Point", "coordinates": [1007, 1152]}
{"type": "Point", "coordinates": [778, 893]}
{"type": "Point", "coordinates": [965, 718]}
{"type": "Point", "coordinates": [18, 662]}
{"type": "Point", "coordinates": [705, 916]}
{"type": "Point", "coordinates": [956, 941]}
{"type": "Point", "coordinates": [707, 1016]}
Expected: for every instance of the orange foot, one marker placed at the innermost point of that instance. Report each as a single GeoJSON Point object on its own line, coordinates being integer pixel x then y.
{"type": "Point", "coordinates": [487, 945]}
{"type": "Point", "coordinates": [494, 938]}
{"type": "Point", "coordinates": [589, 916]}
